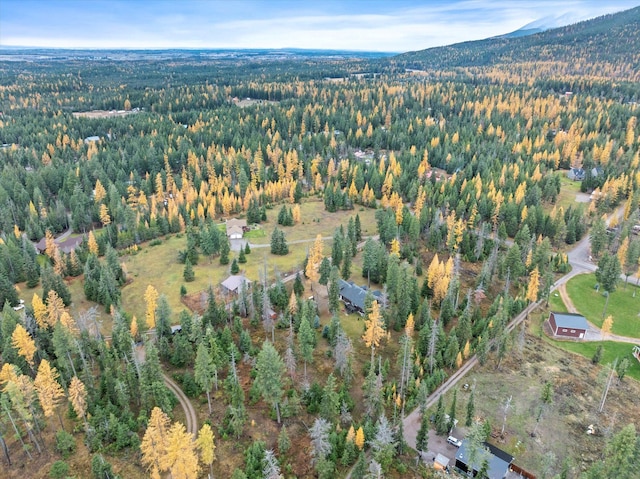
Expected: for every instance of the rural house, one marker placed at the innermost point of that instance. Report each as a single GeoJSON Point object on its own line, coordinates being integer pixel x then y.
{"type": "Point", "coordinates": [233, 284]}
{"type": "Point", "coordinates": [353, 296]}
{"type": "Point", "coordinates": [568, 325]}
{"type": "Point", "coordinates": [576, 174]}
{"type": "Point", "coordinates": [236, 228]}
{"type": "Point", "coordinates": [497, 460]}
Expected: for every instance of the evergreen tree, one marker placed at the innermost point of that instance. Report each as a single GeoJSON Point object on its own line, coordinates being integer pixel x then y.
{"type": "Point", "coordinates": [269, 371]}
{"type": "Point", "coordinates": [471, 410]}
{"type": "Point", "coordinates": [241, 257]}
{"type": "Point", "coordinates": [188, 274]}
{"type": "Point", "coordinates": [278, 243]}
{"type": "Point", "coordinates": [225, 248]}
{"type": "Point", "coordinates": [235, 269]}
{"type": "Point", "coordinates": [422, 439]}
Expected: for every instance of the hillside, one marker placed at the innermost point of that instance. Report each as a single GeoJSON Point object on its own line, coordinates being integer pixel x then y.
{"type": "Point", "coordinates": [606, 46]}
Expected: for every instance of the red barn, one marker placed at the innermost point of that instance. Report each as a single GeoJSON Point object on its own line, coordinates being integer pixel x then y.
{"type": "Point", "coordinates": [568, 325]}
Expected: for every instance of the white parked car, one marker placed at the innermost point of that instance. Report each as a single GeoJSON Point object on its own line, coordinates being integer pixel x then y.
{"type": "Point", "coordinates": [454, 441]}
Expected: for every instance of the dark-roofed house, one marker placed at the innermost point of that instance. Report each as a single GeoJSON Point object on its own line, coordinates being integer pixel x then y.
{"type": "Point", "coordinates": [66, 246]}
{"type": "Point", "coordinates": [576, 174]}
{"type": "Point", "coordinates": [498, 461]}
{"type": "Point", "coordinates": [233, 283]}
{"type": "Point", "coordinates": [568, 324]}
{"type": "Point", "coordinates": [353, 296]}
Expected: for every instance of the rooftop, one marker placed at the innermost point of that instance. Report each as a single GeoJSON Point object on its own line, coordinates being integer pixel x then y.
{"type": "Point", "coordinates": [570, 320]}
{"type": "Point", "coordinates": [497, 459]}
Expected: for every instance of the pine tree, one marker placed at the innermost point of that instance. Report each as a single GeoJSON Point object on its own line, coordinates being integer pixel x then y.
{"type": "Point", "coordinates": [422, 438]}
{"type": "Point", "coordinates": [188, 274]}
{"type": "Point", "coordinates": [471, 410]}
{"type": "Point", "coordinates": [242, 257]}
{"type": "Point", "coordinates": [284, 443]}
{"type": "Point", "coordinates": [205, 371]}
{"type": "Point", "coordinates": [306, 341]}
{"type": "Point", "coordinates": [235, 269]}
{"type": "Point", "coordinates": [269, 371]}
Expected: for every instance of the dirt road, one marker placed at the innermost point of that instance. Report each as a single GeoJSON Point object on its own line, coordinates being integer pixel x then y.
{"type": "Point", "coordinates": [189, 411]}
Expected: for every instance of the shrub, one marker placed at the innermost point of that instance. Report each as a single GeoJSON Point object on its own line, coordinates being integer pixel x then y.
{"type": "Point", "coordinates": [59, 470]}
{"type": "Point", "coordinates": [65, 443]}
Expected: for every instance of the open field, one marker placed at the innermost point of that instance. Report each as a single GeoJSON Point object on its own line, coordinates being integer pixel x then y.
{"type": "Point", "coordinates": [315, 221]}
{"type": "Point", "coordinates": [103, 113]}
{"type": "Point", "coordinates": [570, 192]}
{"type": "Point", "coordinates": [624, 304]}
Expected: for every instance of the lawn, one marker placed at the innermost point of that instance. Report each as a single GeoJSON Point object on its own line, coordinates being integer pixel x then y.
{"type": "Point", "coordinates": [624, 304]}
{"type": "Point", "coordinates": [568, 191]}
{"type": "Point", "coordinates": [556, 303]}
{"type": "Point", "coordinates": [610, 351]}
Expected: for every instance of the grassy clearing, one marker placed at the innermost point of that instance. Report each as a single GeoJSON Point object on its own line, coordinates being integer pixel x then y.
{"type": "Point", "coordinates": [568, 191]}
{"type": "Point", "coordinates": [158, 266]}
{"type": "Point", "coordinates": [623, 305]}
{"type": "Point", "coordinates": [315, 221]}
{"type": "Point", "coordinates": [556, 303]}
{"type": "Point", "coordinates": [253, 234]}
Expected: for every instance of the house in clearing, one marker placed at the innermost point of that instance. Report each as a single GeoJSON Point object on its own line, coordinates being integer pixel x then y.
{"type": "Point", "coordinates": [353, 296]}
{"type": "Point", "coordinates": [498, 461]}
{"type": "Point", "coordinates": [568, 325]}
{"type": "Point", "coordinates": [576, 174]}
{"type": "Point", "coordinates": [233, 284]}
{"type": "Point", "coordinates": [236, 228]}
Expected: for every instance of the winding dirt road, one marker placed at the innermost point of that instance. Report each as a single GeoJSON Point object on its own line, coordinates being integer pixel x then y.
{"type": "Point", "coordinates": [189, 411]}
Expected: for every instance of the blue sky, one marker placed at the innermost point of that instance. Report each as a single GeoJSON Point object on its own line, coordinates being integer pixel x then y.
{"type": "Point", "coordinates": [374, 25]}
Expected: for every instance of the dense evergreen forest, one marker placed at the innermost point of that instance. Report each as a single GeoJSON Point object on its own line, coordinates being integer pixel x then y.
{"type": "Point", "coordinates": [464, 167]}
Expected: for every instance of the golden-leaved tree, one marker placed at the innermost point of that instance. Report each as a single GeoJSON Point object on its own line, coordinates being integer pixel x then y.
{"type": "Point", "coordinates": [151, 298]}
{"type": "Point", "coordinates": [180, 457]}
{"type": "Point", "coordinates": [24, 343]}
{"type": "Point", "coordinates": [154, 442]}
{"type": "Point", "coordinates": [206, 446]}
{"type": "Point", "coordinates": [374, 328]}
{"type": "Point", "coordinates": [47, 387]}
{"type": "Point", "coordinates": [78, 398]}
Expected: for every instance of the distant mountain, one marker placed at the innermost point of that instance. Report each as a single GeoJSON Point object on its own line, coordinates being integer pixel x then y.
{"type": "Point", "coordinates": [546, 23]}
{"type": "Point", "coordinates": [608, 40]}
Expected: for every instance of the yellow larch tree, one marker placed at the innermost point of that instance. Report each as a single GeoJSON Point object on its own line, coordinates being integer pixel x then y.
{"type": "Point", "coordinates": [8, 373]}
{"type": "Point", "coordinates": [154, 442]}
{"type": "Point", "coordinates": [395, 247]}
{"type": "Point", "coordinates": [24, 343]}
{"type": "Point", "coordinates": [78, 397]}
{"type": "Point", "coordinates": [55, 308]}
{"type": "Point", "coordinates": [105, 219]}
{"type": "Point", "coordinates": [151, 299]}
{"type": "Point", "coordinates": [360, 438]}
{"type": "Point", "coordinates": [314, 260]}
{"type": "Point", "coordinates": [351, 434]}
{"type": "Point", "coordinates": [533, 286]}
{"type": "Point", "coordinates": [50, 244]}
{"type": "Point", "coordinates": [47, 387]}
{"type": "Point", "coordinates": [607, 325]}
{"type": "Point", "coordinates": [92, 244]}
{"type": "Point", "coordinates": [180, 457]}
{"type": "Point", "coordinates": [622, 253]}
{"type": "Point", "coordinates": [374, 328]}
{"type": "Point", "coordinates": [100, 193]}
{"type": "Point", "coordinates": [409, 326]}
{"type": "Point", "coordinates": [206, 446]}
{"type": "Point", "coordinates": [39, 310]}
{"type": "Point", "coordinates": [295, 212]}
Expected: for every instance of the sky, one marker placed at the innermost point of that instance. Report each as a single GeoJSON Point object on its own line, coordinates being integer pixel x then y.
{"type": "Point", "coordinates": [365, 25]}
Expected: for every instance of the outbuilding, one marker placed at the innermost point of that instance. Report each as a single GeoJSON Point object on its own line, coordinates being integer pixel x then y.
{"type": "Point", "coordinates": [568, 325]}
